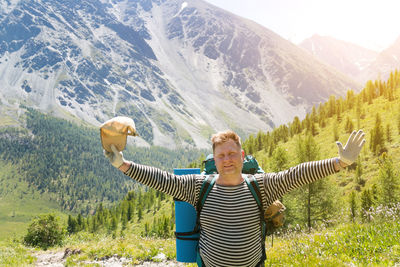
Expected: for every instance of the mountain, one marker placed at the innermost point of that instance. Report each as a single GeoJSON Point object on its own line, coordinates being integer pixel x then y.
{"type": "Point", "coordinates": [181, 69]}
{"type": "Point", "coordinates": [387, 61]}
{"type": "Point", "coordinates": [344, 56]}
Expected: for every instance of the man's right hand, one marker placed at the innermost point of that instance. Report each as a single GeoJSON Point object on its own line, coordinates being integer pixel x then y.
{"type": "Point", "coordinates": [116, 157]}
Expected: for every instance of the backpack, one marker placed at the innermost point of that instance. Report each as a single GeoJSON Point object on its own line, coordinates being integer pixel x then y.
{"type": "Point", "coordinates": [250, 165]}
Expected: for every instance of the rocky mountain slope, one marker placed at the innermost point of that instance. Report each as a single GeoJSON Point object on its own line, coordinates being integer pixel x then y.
{"type": "Point", "coordinates": [346, 57]}
{"type": "Point", "coordinates": [181, 69]}
{"type": "Point", "coordinates": [359, 63]}
{"type": "Point", "coordinates": [387, 61]}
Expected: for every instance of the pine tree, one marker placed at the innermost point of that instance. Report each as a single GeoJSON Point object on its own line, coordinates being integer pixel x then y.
{"type": "Point", "coordinates": [358, 178]}
{"type": "Point", "coordinates": [398, 120]}
{"type": "Point", "coordinates": [366, 203]}
{"type": "Point", "coordinates": [140, 213]}
{"type": "Point", "coordinates": [353, 205]}
{"type": "Point", "coordinates": [80, 222]}
{"type": "Point", "coordinates": [335, 131]}
{"type": "Point", "coordinates": [350, 98]}
{"type": "Point", "coordinates": [279, 160]}
{"type": "Point", "coordinates": [318, 199]}
{"type": "Point", "coordinates": [260, 141]}
{"type": "Point", "coordinates": [314, 116]}
{"type": "Point", "coordinates": [71, 225]}
{"type": "Point", "coordinates": [331, 106]}
{"type": "Point", "coordinates": [377, 140]}
{"type": "Point", "coordinates": [296, 126]}
{"type": "Point", "coordinates": [349, 127]}
{"type": "Point", "coordinates": [388, 133]}
{"type": "Point", "coordinates": [250, 145]}
{"type": "Point", "coordinates": [389, 181]}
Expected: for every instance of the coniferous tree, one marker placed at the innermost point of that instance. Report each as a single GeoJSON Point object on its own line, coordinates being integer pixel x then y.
{"type": "Point", "coordinates": [339, 110]}
{"type": "Point", "coordinates": [367, 202]}
{"type": "Point", "coordinates": [260, 141]}
{"type": "Point", "coordinates": [350, 99]}
{"type": "Point", "coordinates": [314, 115]}
{"type": "Point", "coordinates": [353, 206]}
{"type": "Point", "coordinates": [377, 136]}
{"type": "Point", "coordinates": [358, 178]}
{"type": "Point", "coordinates": [388, 133]}
{"type": "Point", "coordinates": [335, 131]}
{"type": "Point", "coordinates": [358, 111]}
{"type": "Point", "coordinates": [370, 91]}
{"type": "Point", "coordinates": [349, 127]}
{"type": "Point", "coordinates": [316, 199]}
{"type": "Point", "coordinates": [332, 106]}
{"type": "Point", "coordinates": [296, 126]}
{"type": "Point", "coordinates": [389, 181]}
{"type": "Point", "coordinates": [279, 160]}
{"type": "Point", "coordinates": [71, 225]}
{"type": "Point", "coordinates": [398, 121]}
{"type": "Point", "coordinates": [80, 222]}
{"type": "Point", "coordinates": [250, 145]}
{"type": "Point", "coordinates": [140, 213]}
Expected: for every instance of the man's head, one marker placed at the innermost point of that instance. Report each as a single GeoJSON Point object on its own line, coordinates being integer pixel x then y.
{"type": "Point", "coordinates": [228, 153]}
{"type": "Point", "coordinates": [221, 137]}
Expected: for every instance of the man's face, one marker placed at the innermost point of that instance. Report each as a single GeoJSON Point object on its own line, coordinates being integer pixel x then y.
{"type": "Point", "coordinates": [228, 158]}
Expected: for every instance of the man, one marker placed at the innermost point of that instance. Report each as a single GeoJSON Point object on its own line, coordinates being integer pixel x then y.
{"type": "Point", "coordinates": [230, 232]}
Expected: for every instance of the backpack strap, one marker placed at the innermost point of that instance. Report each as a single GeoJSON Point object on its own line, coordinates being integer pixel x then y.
{"type": "Point", "coordinates": [255, 191]}
{"type": "Point", "coordinates": [205, 189]}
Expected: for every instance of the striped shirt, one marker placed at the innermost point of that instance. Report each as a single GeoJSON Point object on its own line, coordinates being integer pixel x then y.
{"type": "Point", "coordinates": [230, 232]}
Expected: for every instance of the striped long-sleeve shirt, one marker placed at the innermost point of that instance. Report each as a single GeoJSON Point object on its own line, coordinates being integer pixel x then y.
{"type": "Point", "coordinates": [230, 232]}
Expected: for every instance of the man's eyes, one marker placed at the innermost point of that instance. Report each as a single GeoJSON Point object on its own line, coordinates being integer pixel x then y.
{"type": "Point", "coordinates": [229, 154]}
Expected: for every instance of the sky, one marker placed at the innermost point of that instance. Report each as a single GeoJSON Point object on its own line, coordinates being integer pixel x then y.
{"type": "Point", "coordinates": [373, 24]}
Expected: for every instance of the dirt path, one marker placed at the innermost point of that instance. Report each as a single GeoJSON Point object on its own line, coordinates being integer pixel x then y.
{"type": "Point", "coordinates": [58, 259]}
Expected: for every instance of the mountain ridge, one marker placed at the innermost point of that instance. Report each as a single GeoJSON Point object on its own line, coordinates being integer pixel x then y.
{"type": "Point", "coordinates": [181, 69]}
{"type": "Point", "coordinates": [360, 63]}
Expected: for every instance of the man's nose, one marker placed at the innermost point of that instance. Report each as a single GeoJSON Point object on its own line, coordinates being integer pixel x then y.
{"type": "Point", "coordinates": [227, 157]}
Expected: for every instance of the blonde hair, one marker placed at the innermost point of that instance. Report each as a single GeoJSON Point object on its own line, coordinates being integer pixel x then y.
{"type": "Point", "coordinates": [222, 137]}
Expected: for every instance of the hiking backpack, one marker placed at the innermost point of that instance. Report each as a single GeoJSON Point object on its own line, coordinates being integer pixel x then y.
{"type": "Point", "coordinates": [250, 165]}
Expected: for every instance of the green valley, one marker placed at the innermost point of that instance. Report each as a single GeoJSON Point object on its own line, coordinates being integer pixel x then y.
{"type": "Point", "coordinates": [349, 218]}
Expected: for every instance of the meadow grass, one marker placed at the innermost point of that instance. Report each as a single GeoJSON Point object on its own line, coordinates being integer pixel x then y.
{"type": "Point", "coordinates": [374, 243]}
{"type": "Point", "coordinates": [138, 249]}
{"type": "Point", "coordinates": [19, 203]}
{"type": "Point", "coordinates": [13, 253]}
{"type": "Point", "coordinates": [352, 244]}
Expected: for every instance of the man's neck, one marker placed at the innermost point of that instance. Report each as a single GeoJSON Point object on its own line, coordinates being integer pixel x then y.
{"type": "Point", "coordinates": [229, 180]}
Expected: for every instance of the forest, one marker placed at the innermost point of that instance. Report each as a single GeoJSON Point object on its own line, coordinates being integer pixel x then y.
{"type": "Point", "coordinates": [66, 161]}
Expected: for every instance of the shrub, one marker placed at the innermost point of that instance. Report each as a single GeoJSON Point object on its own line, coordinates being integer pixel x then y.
{"type": "Point", "coordinates": [44, 232]}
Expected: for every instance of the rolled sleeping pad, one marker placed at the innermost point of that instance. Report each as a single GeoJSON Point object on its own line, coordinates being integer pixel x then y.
{"type": "Point", "coordinates": [185, 222]}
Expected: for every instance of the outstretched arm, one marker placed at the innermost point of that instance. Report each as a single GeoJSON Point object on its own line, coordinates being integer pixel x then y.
{"type": "Point", "coordinates": [181, 187]}
{"type": "Point", "coordinates": [277, 184]}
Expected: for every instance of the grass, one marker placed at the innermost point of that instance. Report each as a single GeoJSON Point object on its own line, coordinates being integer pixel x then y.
{"type": "Point", "coordinates": [349, 244]}
{"type": "Point", "coordinates": [373, 244]}
{"type": "Point", "coordinates": [137, 249]}
{"type": "Point", "coordinates": [13, 253]}
{"type": "Point", "coordinates": [19, 204]}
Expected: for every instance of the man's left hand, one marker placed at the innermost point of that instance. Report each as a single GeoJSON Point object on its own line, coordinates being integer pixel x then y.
{"type": "Point", "coordinates": [349, 153]}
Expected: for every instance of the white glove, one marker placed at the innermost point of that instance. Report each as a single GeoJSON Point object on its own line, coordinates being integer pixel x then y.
{"type": "Point", "coordinates": [354, 144]}
{"type": "Point", "coordinates": [116, 158]}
